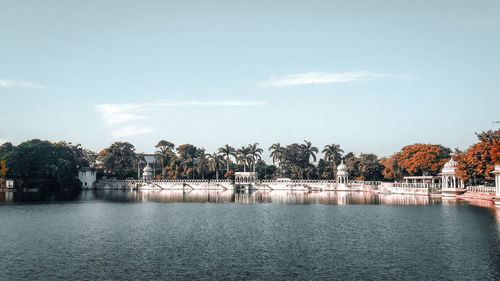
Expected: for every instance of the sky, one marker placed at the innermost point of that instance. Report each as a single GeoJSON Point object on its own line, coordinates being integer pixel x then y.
{"type": "Point", "coordinates": [372, 76]}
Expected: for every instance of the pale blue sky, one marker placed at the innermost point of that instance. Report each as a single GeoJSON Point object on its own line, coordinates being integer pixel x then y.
{"type": "Point", "coordinates": [372, 76]}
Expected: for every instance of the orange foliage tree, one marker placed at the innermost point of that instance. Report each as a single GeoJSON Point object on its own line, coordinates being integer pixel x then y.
{"type": "Point", "coordinates": [3, 168]}
{"type": "Point", "coordinates": [416, 159]}
{"type": "Point", "coordinates": [479, 160]}
{"type": "Point", "coordinates": [391, 170]}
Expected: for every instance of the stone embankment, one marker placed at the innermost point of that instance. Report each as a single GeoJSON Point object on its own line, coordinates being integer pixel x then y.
{"type": "Point", "coordinates": [291, 185]}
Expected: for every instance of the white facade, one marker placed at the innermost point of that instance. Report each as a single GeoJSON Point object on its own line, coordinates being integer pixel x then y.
{"type": "Point", "coordinates": [88, 177]}
{"type": "Point", "coordinates": [451, 184]}
{"type": "Point", "coordinates": [9, 184]}
{"type": "Point", "coordinates": [245, 177]}
{"type": "Point", "coordinates": [147, 173]}
{"type": "Point", "coordinates": [342, 174]}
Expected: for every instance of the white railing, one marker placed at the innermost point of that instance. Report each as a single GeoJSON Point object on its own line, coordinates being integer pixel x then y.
{"type": "Point", "coordinates": [227, 181]}
{"type": "Point", "coordinates": [480, 188]}
{"type": "Point", "coordinates": [164, 181]}
{"type": "Point", "coordinates": [417, 185]}
{"type": "Point", "coordinates": [297, 181]}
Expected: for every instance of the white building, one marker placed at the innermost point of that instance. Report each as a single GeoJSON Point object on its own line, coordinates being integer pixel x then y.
{"type": "Point", "coordinates": [245, 177]}
{"type": "Point", "coordinates": [147, 173]}
{"type": "Point", "coordinates": [342, 174]}
{"type": "Point", "coordinates": [9, 184]}
{"type": "Point", "coordinates": [88, 177]}
{"type": "Point", "coordinates": [451, 184]}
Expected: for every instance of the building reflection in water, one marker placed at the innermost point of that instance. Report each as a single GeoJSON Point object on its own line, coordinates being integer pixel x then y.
{"type": "Point", "coordinates": [229, 196]}
{"type": "Point", "coordinates": [280, 197]}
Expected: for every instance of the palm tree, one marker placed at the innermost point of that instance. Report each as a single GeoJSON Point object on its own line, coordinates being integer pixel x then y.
{"type": "Point", "coordinates": [333, 154]}
{"type": "Point", "coordinates": [277, 154]}
{"type": "Point", "coordinates": [244, 157]}
{"type": "Point", "coordinates": [164, 153]}
{"type": "Point", "coordinates": [255, 151]}
{"type": "Point", "coordinates": [215, 163]}
{"type": "Point", "coordinates": [310, 150]}
{"type": "Point", "coordinates": [139, 157]}
{"type": "Point", "coordinates": [202, 162]}
{"type": "Point", "coordinates": [227, 151]}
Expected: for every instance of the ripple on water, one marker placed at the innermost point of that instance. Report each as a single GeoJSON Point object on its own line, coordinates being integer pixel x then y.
{"type": "Point", "coordinates": [292, 236]}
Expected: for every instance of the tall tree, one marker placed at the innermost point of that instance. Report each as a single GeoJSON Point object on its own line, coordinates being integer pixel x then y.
{"type": "Point", "coordinates": [227, 151]}
{"type": "Point", "coordinates": [139, 158]}
{"type": "Point", "coordinates": [333, 155]}
{"type": "Point", "coordinates": [479, 160]}
{"type": "Point", "coordinates": [254, 151]}
{"type": "Point", "coordinates": [188, 154]}
{"type": "Point", "coordinates": [310, 150]}
{"type": "Point", "coordinates": [370, 168]}
{"type": "Point", "coordinates": [36, 162]}
{"type": "Point", "coordinates": [243, 157]}
{"type": "Point", "coordinates": [215, 163]}
{"type": "Point", "coordinates": [164, 153]}
{"type": "Point", "coordinates": [277, 155]}
{"type": "Point", "coordinates": [91, 157]}
{"type": "Point", "coordinates": [203, 162]}
{"type": "Point", "coordinates": [418, 159]}
{"type": "Point", "coordinates": [118, 159]}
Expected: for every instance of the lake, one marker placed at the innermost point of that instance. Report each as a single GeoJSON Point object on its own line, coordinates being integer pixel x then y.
{"type": "Point", "coordinates": [202, 235]}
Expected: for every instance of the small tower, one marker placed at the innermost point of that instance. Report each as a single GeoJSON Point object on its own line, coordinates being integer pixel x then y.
{"type": "Point", "coordinates": [147, 173]}
{"type": "Point", "coordinates": [342, 175]}
{"type": "Point", "coordinates": [451, 184]}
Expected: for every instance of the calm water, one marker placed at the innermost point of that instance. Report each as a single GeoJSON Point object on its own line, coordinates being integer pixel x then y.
{"type": "Point", "coordinates": [223, 235]}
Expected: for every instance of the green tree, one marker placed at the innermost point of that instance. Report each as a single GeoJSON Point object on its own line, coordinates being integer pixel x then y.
{"type": "Point", "coordinates": [333, 155]}
{"type": "Point", "coordinates": [243, 157]}
{"type": "Point", "coordinates": [216, 161]}
{"type": "Point", "coordinates": [118, 159]}
{"type": "Point", "coordinates": [203, 162]}
{"type": "Point", "coordinates": [277, 155]}
{"type": "Point", "coordinates": [187, 154]}
{"type": "Point", "coordinates": [43, 164]}
{"type": "Point", "coordinates": [227, 151]}
{"type": "Point", "coordinates": [254, 151]}
{"type": "Point", "coordinates": [370, 168]}
{"type": "Point", "coordinates": [164, 153]}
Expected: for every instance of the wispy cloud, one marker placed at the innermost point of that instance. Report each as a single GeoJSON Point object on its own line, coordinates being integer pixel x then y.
{"type": "Point", "coordinates": [326, 78]}
{"type": "Point", "coordinates": [129, 131]}
{"type": "Point", "coordinates": [121, 115]}
{"type": "Point", "coordinates": [5, 83]}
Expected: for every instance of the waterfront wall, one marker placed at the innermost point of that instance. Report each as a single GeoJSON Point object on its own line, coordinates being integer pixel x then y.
{"type": "Point", "coordinates": [291, 185]}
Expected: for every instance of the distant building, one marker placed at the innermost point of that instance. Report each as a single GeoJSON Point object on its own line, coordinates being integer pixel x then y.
{"type": "Point", "coordinates": [147, 173]}
{"type": "Point", "coordinates": [88, 177]}
{"type": "Point", "coordinates": [245, 177]}
{"type": "Point", "coordinates": [9, 184]}
{"type": "Point", "coordinates": [451, 184]}
{"type": "Point", "coordinates": [421, 179]}
{"type": "Point", "coordinates": [342, 174]}
{"type": "Point", "coordinates": [153, 162]}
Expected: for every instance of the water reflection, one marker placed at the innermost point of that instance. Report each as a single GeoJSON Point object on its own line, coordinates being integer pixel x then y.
{"type": "Point", "coordinates": [203, 196]}
{"type": "Point", "coordinates": [281, 197]}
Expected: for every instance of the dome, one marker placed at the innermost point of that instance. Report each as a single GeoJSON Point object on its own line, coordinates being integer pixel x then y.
{"type": "Point", "coordinates": [147, 173]}
{"type": "Point", "coordinates": [342, 167]}
{"type": "Point", "coordinates": [147, 169]}
{"type": "Point", "coordinates": [451, 164]}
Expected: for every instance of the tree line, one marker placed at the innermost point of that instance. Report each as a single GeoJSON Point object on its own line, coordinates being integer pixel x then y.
{"type": "Point", "coordinates": [37, 162]}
